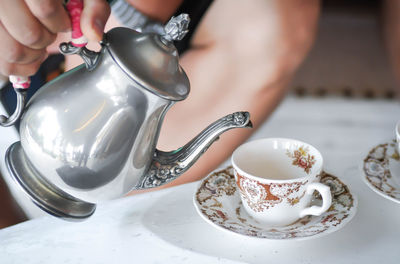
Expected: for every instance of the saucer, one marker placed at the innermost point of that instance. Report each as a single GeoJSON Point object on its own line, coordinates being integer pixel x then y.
{"type": "Point", "coordinates": [382, 171]}
{"type": "Point", "coordinates": [217, 200]}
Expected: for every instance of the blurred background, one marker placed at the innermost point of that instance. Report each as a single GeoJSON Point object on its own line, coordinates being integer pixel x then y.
{"type": "Point", "coordinates": [349, 57]}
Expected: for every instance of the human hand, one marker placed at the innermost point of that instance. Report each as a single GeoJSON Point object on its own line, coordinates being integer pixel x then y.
{"type": "Point", "coordinates": [27, 27]}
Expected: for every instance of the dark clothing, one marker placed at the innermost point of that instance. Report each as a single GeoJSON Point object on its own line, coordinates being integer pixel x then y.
{"type": "Point", "coordinates": [196, 10]}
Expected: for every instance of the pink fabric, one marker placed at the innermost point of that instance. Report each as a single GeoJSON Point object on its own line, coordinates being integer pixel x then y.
{"type": "Point", "coordinates": [75, 8]}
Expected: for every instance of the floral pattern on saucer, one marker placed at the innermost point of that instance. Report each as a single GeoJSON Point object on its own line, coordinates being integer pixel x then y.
{"type": "Point", "coordinates": [379, 171]}
{"type": "Point", "coordinates": [218, 201]}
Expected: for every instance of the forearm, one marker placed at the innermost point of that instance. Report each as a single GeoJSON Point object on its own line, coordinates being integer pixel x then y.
{"type": "Point", "coordinates": [211, 98]}
{"type": "Point", "coordinates": [238, 68]}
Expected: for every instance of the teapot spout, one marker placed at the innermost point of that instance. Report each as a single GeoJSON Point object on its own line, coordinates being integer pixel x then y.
{"type": "Point", "coordinates": [167, 166]}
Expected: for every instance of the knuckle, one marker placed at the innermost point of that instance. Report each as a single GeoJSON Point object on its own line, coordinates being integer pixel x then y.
{"type": "Point", "coordinates": [32, 37]}
{"type": "Point", "coordinates": [15, 54]}
{"type": "Point", "coordinates": [46, 9]}
{"type": "Point", "coordinates": [37, 38]}
{"type": "Point", "coordinates": [7, 69]}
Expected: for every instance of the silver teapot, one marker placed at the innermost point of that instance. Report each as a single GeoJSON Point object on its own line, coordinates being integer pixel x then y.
{"type": "Point", "coordinates": [90, 135]}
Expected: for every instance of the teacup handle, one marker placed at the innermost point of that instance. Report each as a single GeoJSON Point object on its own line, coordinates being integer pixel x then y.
{"type": "Point", "coordinates": [325, 192]}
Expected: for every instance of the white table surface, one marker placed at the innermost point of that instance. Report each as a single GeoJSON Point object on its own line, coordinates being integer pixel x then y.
{"type": "Point", "coordinates": [164, 227]}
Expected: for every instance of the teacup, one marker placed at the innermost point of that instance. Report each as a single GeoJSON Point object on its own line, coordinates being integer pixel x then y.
{"type": "Point", "coordinates": [276, 178]}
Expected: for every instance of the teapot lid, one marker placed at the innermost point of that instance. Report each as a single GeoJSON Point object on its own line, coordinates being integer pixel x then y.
{"type": "Point", "coordinates": [151, 59]}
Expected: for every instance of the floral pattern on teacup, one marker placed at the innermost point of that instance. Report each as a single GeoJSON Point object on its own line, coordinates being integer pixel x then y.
{"type": "Point", "coordinates": [301, 158]}
{"type": "Point", "coordinates": [253, 191]}
{"type": "Point", "coordinates": [260, 197]}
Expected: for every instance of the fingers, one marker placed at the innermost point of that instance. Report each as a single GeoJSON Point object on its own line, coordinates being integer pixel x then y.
{"type": "Point", "coordinates": [94, 17]}
{"type": "Point", "coordinates": [50, 13]}
{"type": "Point", "coordinates": [17, 59]}
{"type": "Point", "coordinates": [14, 52]}
{"type": "Point", "coordinates": [27, 27]}
{"type": "Point", "coordinates": [8, 69]}
{"type": "Point", "coordinates": [23, 26]}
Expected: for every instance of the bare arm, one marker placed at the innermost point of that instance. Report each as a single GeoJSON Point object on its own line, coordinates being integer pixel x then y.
{"type": "Point", "coordinates": [243, 57]}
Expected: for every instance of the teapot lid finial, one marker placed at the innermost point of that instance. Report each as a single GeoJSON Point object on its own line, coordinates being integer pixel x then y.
{"type": "Point", "coordinates": [176, 28]}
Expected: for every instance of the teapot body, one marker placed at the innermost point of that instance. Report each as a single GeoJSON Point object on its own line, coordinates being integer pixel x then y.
{"type": "Point", "coordinates": [93, 138]}
{"type": "Point", "coordinates": [90, 135]}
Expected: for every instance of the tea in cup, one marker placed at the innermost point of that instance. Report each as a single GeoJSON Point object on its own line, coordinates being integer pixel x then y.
{"type": "Point", "coordinates": [277, 177]}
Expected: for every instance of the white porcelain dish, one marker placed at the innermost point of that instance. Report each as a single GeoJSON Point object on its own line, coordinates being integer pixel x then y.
{"type": "Point", "coordinates": [218, 202]}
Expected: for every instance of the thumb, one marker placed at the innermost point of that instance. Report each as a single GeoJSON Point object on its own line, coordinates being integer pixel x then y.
{"type": "Point", "coordinates": [94, 17]}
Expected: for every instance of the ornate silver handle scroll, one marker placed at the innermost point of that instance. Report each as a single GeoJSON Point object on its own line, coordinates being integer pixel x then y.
{"type": "Point", "coordinates": [167, 166]}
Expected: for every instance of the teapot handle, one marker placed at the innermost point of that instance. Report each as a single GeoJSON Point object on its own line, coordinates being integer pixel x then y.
{"type": "Point", "coordinates": [21, 85]}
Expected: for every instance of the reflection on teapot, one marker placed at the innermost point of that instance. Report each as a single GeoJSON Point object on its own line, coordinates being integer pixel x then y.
{"type": "Point", "coordinates": [90, 135]}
